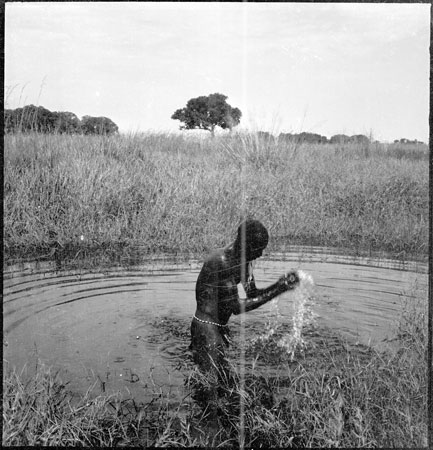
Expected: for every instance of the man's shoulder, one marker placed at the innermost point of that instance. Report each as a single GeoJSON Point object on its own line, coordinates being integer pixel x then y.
{"type": "Point", "coordinates": [217, 264]}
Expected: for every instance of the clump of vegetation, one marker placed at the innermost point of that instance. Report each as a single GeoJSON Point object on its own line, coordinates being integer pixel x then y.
{"type": "Point", "coordinates": [334, 395]}
{"type": "Point", "coordinates": [42, 412]}
{"type": "Point", "coordinates": [33, 118]}
{"type": "Point", "coordinates": [208, 112]}
{"type": "Point", "coordinates": [174, 193]}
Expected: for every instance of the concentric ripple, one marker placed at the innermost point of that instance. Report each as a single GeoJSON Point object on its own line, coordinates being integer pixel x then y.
{"type": "Point", "coordinates": [127, 328]}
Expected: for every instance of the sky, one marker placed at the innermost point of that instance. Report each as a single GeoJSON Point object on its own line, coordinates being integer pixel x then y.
{"type": "Point", "coordinates": [289, 67]}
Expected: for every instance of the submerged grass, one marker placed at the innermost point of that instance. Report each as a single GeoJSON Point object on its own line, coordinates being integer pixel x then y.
{"type": "Point", "coordinates": [340, 397]}
{"type": "Point", "coordinates": [170, 192]}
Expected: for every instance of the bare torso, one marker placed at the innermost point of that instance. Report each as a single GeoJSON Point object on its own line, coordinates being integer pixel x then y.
{"type": "Point", "coordinates": [217, 299]}
{"type": "Point", "coordinates": [217, 286]}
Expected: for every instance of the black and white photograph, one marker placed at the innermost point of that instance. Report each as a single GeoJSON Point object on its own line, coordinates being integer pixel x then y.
{"type": "Point", "coordinates": [216, 224]}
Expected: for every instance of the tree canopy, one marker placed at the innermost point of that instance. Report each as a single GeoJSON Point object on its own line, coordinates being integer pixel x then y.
{"type": "Point", "coordinates": [98, 125]}
{"type": "Point", "coordinates": [42, 120]}
{"type": "Point", "coordinates": [208, 112]}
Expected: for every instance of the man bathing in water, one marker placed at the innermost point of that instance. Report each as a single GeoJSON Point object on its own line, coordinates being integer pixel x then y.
{"type": "Point", "coordinates": [217, 294]}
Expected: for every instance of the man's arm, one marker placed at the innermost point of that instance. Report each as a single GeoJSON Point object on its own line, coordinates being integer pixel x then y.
{"type": "Point", "coordinates": [286, 282]}
{"type": "Point", "coordinates": [250, 287]}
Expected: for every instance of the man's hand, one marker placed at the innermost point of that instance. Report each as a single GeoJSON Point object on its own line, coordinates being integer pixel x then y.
{"type": "Point", "coordinates": [289, 280]}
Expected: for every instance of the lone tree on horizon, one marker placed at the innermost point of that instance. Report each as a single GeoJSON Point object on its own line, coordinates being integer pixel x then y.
{"type": "Point", "coordinates": [207, 112]}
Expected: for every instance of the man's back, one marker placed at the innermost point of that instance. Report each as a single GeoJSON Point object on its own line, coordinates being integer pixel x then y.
{"type": "Point", "coordinates": [216, 287]}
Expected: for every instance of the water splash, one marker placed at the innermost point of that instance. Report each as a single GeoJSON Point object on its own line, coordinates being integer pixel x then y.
{"type": "Point", "coordinates": [272, 324]}
{"type": "Point", "coordinates": [303, 315]}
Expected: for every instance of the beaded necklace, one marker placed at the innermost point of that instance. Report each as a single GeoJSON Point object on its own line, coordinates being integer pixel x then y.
{"type": "Point", "coordinates": [209, 322]}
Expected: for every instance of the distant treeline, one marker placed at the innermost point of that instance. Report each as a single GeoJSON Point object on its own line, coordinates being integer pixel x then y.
{"type": "Point", "coordinates": [314, 138]}
{"type": "Point", "coordinates": [42, 120]}
{"type": "Point", "coordinates": [407, 141]}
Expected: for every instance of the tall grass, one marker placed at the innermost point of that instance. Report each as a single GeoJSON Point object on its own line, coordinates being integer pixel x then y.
{"type": "Point", "coordinates": [168, 192]}
{"type": "Point", "coordinates": [41, 412]}
{"type": "Point", "coordinates": [337, 396]}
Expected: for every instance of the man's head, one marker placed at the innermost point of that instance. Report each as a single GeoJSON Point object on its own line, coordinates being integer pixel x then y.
{"type": "Point", "coordinates": [252, 239]}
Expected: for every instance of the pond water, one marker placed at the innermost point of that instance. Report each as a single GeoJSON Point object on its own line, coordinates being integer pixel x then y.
{"type": "Point", "coordinates": [126, 328]}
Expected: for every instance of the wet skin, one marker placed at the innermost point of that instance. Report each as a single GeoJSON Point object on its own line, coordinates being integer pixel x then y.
{"type": "Point", "coordinates": [217, 299]}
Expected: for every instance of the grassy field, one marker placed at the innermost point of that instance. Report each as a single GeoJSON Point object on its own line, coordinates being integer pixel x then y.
{"type": "Point", "coordinates": [339, 398]}
{"type": "Point", "coordinates": [174, 193]}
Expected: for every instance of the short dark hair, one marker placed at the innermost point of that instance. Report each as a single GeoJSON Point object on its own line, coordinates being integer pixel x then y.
{"type": "Point", "coordinates": [256, 235]}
